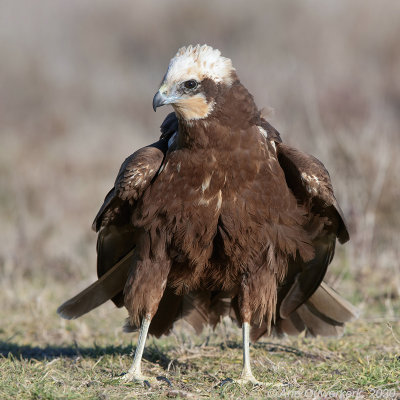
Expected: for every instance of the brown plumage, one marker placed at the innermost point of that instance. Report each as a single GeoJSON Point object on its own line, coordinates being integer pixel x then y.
{"type": "Point", "coordinates": [218, 217]}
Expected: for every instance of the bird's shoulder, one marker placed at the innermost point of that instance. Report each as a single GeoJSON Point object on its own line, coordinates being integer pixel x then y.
{"type": "Point", "coordinates": [135, 175]}
{"type": "Point", "coordinates": [271, 133]}
{"type": "Point", "coordinates": [138, 170]}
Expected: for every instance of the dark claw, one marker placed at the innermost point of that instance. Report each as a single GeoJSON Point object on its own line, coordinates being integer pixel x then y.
{"type": "Point", "coordinates": [147, 383]}
{"type": "Point", "coordinates": [224, 382]}
{"type": "Point", "coordinates": [164, 379]}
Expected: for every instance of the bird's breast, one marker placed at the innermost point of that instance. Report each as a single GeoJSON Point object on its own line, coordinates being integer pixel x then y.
{"type": "Point", "coordinates": [208, 204]}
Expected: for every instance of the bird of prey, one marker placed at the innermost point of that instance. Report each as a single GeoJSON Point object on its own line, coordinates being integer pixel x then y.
{"type": "Point", "coordinates": [218, 217]}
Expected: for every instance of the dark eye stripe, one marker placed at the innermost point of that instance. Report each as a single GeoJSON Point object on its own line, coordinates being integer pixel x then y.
{"type": "Point", "coordinates": [191, 84]}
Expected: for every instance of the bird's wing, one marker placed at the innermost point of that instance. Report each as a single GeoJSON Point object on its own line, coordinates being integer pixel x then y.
{"type": "Point", "coordinates": [105, 288]}
{"type": "Point", "coordinates": [323, 314]}
{"type": "Point", "coordinates": [169, 126]}
{"type": "Point", "coordinates": [310, 183]}
{"type": "Point", "coordinates": [272, 133]}
{"type": "Point", "coordinates": [116, 234]}
{"type": "Point", "coordinates": [134, 176]}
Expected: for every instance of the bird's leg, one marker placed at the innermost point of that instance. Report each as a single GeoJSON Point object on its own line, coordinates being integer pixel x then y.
{"type": "Point", "coordinates": [135, 372]}
{"type": "Point", "coordinates": [247, 375]}
{"type": "Point", "coordinates": [245, 316]}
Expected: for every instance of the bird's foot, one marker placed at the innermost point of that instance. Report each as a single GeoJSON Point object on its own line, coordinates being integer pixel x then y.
{"type": "Point", "coordinates": [241, 381]}
{"type": "Point", "coordinates": [249, 378]}
{"type": "Point", "coordinates": [135, 376]}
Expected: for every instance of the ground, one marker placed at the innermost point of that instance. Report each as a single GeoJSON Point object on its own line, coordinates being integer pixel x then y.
{"type": "Point", "coordinates": [44, 357]}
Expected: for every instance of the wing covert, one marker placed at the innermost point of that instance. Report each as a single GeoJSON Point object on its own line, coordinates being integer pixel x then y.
{"type": "Point", "coordinates": [134, 176]}
{"type": "Point", "coordinates": [311, 184]}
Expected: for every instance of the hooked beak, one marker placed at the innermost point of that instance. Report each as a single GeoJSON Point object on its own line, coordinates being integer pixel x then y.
{"type": "Point", "coordinates": [159, 100]}
{"type": "Point", "coordinates": [163, 97]}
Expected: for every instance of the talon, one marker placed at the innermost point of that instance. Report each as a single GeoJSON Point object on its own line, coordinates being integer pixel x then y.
{"type": "Point", "coordinates": [139, 378]}
{"type": "Point", "coordinates": [224, 382]}
{"type": "Point", "coordinates": [255, 382]}
{"type": "Point", "coordinates": [164, 379]}
{"type": "Point", "coordinates": [243, 381]}
{"type": "Point", "coordinates": [146, 383]}
{"type": "Point", "coordinates": [136, 377]}
{"type": "Point", "coordinates": [124, 377]}
{"type": "Point", "coordinates": [279, 384]}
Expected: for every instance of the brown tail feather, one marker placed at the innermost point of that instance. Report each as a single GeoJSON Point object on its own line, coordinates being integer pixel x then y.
{"type": "Point", "coordinates": [106, 287]}
{"type": "Point", "coordinates": [201, 309]}
{"type": "Point", "coordinates": [192, 307]}
{"type": "Point", "coordinates": [291, 326]}
{"type": "Point", "coordinates": [198, 308]}
{"type": "Point", "coordinates": [195, 309]}
{"type": "Point", "coordinates": [324, 314]}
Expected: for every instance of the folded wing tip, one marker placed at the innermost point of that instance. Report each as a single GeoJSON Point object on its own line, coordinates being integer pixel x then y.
{"type": "Point", "coordinates": [63, 313]}
{"type": "Point", "coordinates": [356, 313]}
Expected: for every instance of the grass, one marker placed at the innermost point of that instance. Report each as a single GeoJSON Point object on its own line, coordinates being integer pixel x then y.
{"type": "Point", "coordinates": [364, 360]}
{"type": "Point", "coordinates": [45, 357]}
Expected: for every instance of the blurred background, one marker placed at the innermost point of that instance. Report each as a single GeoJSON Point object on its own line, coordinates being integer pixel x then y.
{"type": "Point", "coordinates": [77, 80]}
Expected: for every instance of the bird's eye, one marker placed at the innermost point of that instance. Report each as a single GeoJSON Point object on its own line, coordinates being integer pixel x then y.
{"type": "Point", "coordinates": [192, 84]}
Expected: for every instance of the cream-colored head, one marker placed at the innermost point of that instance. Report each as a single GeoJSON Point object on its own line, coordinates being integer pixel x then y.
{"type": "Point", "coordinates": [199, 62]}
{"type": "Point", "coordinates": [182, 83]}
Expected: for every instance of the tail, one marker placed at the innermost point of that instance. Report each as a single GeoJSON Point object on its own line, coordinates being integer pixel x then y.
{"type": "Point", "coordinates": [105, 288]}
{"type": "Point", "coordinates": [198, 308]}
{"type": "Point", "coordinates": [324, 314]}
